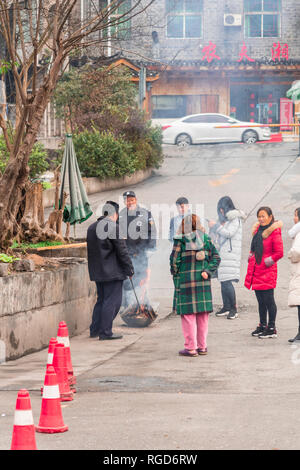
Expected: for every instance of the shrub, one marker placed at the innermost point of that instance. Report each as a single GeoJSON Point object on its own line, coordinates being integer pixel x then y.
{"type": "Point", "coordinates": [37, 161]}
{"type": "Point", "coordinates": [103, 155]}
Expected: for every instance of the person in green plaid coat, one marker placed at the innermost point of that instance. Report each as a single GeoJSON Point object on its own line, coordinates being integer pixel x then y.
{"type": "Point", "coordinates": [193, 260]}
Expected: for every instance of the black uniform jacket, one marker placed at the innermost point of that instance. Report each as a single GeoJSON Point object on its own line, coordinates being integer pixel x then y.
{"type": "Point", "coordinates": [108, 257]}
{"type": "Point", "coordinates": [139, 229]}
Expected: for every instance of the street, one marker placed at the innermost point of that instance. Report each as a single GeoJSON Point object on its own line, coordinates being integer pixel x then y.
{"type": "Point", "coordinates": [137, 392]}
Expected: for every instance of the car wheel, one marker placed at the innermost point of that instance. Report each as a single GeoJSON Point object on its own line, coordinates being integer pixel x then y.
{"type": "Point", "coordinates": [250, 137]}
{"type": "Point", "coordinates": [183, 140]}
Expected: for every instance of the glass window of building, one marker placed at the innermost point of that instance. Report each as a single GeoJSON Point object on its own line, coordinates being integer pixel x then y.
{"type": "Point", "coordinates": [119, 26]}
{"type": "Point", "coordinates": [184, 18]}
{"type": "Point", "coordinates": [262, 18]}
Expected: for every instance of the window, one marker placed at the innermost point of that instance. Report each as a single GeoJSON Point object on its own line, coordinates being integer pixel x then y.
{"type": "Point", "coordinates": [184, 18]}
{"type": "Point", "coordinates": [262, 18]}
{"type": "Point", "coordinates": [168, 106]}
{"type": "Point", "coordinates": [120, 30]}
{"type": "Point", "coordinates": [218, 118]}
{"type": "Point", "coordinates": [197, 119]}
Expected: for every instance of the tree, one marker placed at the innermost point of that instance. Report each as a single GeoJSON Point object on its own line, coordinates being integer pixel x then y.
{"type": "Point", "coordinates": [51, 29]}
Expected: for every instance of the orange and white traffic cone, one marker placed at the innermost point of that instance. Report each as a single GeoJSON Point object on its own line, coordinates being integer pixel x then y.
{"type": "Point", "coordinates": [60, 366]}
{"type": "Point", "coordinates": [63, 337]}
{"type": "Point", "coordinates": [52, 343]}
{"type": "Point", "coordinates": [23, 437]}
{"type": "Point", "coordinates": [51, 419]}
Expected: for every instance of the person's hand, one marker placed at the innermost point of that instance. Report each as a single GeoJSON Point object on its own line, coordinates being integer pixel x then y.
{"type": "Point", "coordinates": [211, 223]}
{"type": "Point", "coordinates": [269, 261]}
{"type": "Point", "coordinates": [204, 275]}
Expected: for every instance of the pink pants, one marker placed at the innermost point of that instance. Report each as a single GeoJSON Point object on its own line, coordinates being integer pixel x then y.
{"type": "Point", "coordinates": [195, 329]}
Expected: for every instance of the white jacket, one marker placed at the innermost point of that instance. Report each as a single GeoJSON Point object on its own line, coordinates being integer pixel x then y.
{"type": "Point", "coordinates": [229, 245]}
{"type": "Point", "coordinates": [294, 256]}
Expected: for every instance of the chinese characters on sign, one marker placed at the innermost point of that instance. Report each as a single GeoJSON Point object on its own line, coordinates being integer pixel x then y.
{"type": "Point", "coordinates": [243, 54]}
{"type": "Point", "coordinates": [210, 52]}
{"type": "Point", "coordinates": [278, 52]}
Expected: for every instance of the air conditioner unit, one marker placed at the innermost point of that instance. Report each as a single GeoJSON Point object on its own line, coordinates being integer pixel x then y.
{"type": "Point", "coordinates": [231, 19]}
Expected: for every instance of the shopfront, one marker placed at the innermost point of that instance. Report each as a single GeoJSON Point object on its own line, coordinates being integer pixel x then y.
{"type": "Point", "coordinates": [258, 99]}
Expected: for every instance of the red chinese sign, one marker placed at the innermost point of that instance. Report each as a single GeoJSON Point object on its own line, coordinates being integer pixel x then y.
{"type": "Point", "coordinates": [286, 114]}
{"type": "Point", "coordinates": [278, 52]}
{"type": "Point", "coordinates": [243, 54]}
{"type": "Point", "coordinates": [210, 52]}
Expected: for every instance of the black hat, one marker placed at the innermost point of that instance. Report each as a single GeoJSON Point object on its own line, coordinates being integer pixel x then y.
{"type": "Point", "coordinates": [129, 194]}
{"type": "Point", "coordinates": [181, 200]}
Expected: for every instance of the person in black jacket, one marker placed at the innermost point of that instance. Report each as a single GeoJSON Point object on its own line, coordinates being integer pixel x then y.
{"type": "Point", "coordinates": [109, 265]}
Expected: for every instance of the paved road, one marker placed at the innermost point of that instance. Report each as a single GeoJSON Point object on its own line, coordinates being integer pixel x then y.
{"type": "Point", "coordinates": [137, 393]}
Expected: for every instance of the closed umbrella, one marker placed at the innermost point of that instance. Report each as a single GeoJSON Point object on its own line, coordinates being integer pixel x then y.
{"type": "Point", "coordinates": [77, 208]}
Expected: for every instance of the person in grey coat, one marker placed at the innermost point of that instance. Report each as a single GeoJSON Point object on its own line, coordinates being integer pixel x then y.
{"type": "Point", "coordinates": [228, 235]}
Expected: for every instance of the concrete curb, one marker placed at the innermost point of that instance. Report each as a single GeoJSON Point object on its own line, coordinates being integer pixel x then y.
{"type": "Point", "coordinates": [95, 185]}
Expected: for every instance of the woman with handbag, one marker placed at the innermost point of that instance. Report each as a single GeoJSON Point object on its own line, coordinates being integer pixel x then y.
{"type": "Point", "coordinates": [193, 260]}
{"type": "Point", "coordinates": [266, 250]}
{"type": "Point", "coordinates": [294, 256]}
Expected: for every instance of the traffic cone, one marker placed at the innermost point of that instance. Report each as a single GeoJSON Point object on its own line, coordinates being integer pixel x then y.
{"type": "Point", "coordinates": [23, 437]}
{"type": "Point", "coordinates": [51, 419]}
{"type": "Point", "coordinates": [52, 343]}
{"type": "Point", "coordinates": [60, 366]}
{"type": "Point", "coordinates": [63, 337]}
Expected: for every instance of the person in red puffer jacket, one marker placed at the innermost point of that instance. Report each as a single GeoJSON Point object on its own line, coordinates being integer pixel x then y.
{"type": "Point", "coordinates": [266, 250]}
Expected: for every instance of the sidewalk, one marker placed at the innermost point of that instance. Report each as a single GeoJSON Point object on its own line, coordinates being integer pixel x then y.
{"type": "Point", "coordinates": [87, 353]}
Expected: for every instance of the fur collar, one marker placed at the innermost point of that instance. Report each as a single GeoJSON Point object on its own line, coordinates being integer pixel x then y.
{"type": "Point", "coordinates": [266, 233]}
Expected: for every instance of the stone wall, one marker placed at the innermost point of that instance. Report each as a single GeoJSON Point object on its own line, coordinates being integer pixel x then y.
{"type": "Point", "coordinates": [33, 304]}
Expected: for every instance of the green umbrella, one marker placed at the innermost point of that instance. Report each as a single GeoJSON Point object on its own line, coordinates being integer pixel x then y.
{"type": "Point", "coordinates": [78, 209]}
{"type": "Point", "coordinates": [294, 92]}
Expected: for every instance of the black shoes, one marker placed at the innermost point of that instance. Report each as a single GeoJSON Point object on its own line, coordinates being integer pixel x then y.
{"type": "Point", "coordinates": [268, 333]}
{"type": "Point", "coordinates": [297, 338]}
{"type": "Point", "coordinates": [221, 313]}
{"type": "Point", "coordinates": [259, 330]}
{"type": "Point", "coordinates": [113, 336]}
{"type": "Point", "coordinates": [232, 314]}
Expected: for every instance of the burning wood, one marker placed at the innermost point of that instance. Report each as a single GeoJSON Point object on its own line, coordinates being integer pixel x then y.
{"type": "Point", "coordinates": [139, 316]}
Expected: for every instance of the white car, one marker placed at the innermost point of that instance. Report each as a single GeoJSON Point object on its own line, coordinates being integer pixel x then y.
{"type": "Point", "coordinates": [203, 128]}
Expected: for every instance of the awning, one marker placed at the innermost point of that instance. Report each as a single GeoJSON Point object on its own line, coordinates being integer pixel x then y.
{"type": "Point", "coordinates": [294, 92]}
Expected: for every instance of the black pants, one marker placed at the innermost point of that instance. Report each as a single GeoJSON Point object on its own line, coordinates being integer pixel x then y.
{"type": "Point", "coordinates": [109, 299]}
{"type": "Point", "coordinates": [228, 295]}
{"type": "Point", "coordinates": [266, 305]}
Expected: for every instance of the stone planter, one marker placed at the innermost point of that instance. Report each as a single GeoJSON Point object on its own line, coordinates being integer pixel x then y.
{"type": "Point", "coordinates": [35, 302]}
{"type": "Point", "coordinates": [76, 250]}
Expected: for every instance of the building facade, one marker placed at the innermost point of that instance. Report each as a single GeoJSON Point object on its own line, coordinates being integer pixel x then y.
{"type": "Point", "coordinates": [236, 57]}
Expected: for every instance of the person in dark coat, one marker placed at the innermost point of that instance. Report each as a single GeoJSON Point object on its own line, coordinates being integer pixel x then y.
{"type": "Point", "coordinates": [109, 265]}
{"type": "Point", "coordinates": [138, 228]}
